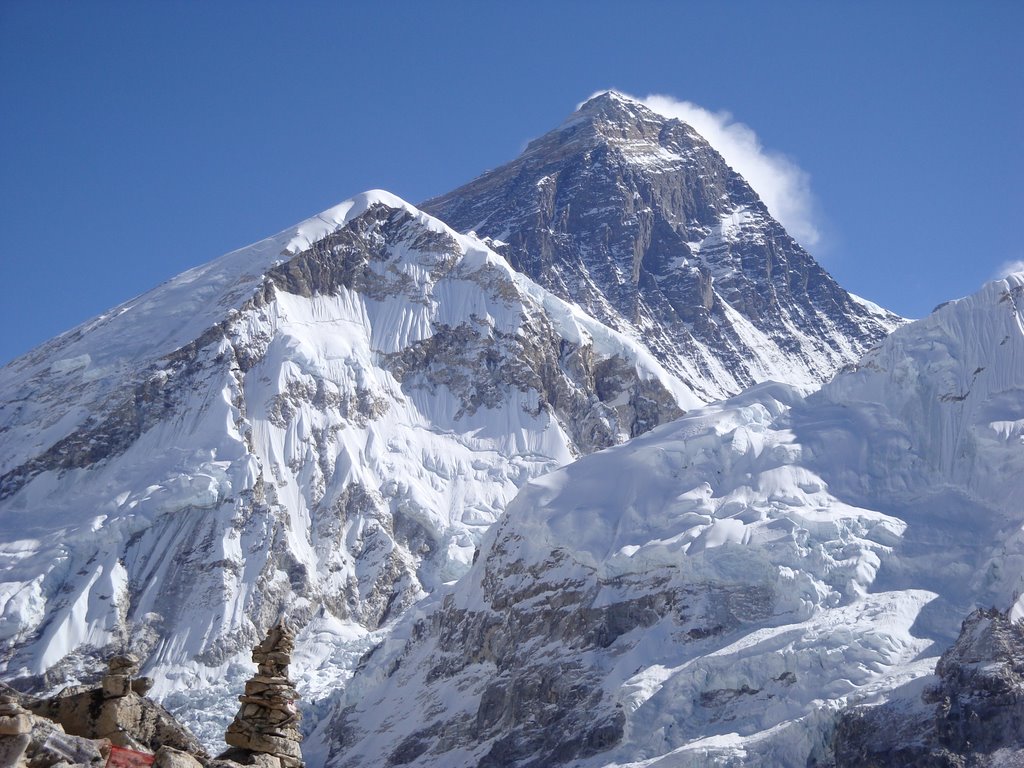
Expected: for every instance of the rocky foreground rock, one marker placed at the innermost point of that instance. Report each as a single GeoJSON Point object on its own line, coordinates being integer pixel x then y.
{"type": "Point", "coordinates": [85, 726]}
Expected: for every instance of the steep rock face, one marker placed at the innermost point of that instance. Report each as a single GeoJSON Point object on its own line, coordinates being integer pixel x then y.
{"type": "Point", "coordinates": [976, 712]}
{"type": "Point", "coordinates": [321, 425]}
{"type": "Point", "coordinates": [713, 591]}
{"type": "Point", "coordinates": [637, 219]}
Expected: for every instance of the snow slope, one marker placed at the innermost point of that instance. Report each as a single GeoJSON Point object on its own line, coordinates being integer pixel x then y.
{"type": "Point", "coordinates": [322, 424]}
{"type": "Point", "coordinates": [714, 591]}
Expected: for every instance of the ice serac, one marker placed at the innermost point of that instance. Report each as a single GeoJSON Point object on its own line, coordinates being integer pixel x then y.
{"type": "Point", "coordinates": [716, 591]}
{"type": "Point", "coordinates": [320, 426]}
{"type": "Point", "coordinates": [636, 218]}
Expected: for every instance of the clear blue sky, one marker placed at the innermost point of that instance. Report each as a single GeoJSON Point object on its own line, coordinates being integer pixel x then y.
{"type": "Point", "coordinates": [140, 139]}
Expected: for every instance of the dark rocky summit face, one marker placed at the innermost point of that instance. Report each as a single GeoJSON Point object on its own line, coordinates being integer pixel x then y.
{"type": "Point", "coordinates": [637, 219]}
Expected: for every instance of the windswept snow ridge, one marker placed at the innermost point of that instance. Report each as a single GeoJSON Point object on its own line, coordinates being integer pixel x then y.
{"type": "Point", "coordinates": [714, 591]}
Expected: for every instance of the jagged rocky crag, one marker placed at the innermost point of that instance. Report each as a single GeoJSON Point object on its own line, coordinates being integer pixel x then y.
{"type": "Point", "coordinates": [714, 592]}
{"type": "Point", "coordinates": [636, 218]}
{"type": "Point", "coordinates": [325, 422]}
{"type": "Point", "coordinates": [973, 716]}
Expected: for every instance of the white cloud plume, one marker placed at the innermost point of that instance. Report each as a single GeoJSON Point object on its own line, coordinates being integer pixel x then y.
{"type": "Point", "coordinates": [1008, 268]}
{"type": "Point", "coordinates": [781, 184]}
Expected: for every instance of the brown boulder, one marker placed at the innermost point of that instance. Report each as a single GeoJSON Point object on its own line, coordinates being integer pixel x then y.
{"type": "Point", "coordinates": [168, 757]}
{"type": "Point", "coordinates": [129, 721]}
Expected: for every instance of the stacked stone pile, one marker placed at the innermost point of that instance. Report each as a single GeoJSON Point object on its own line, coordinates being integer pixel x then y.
{"type": "Point", "coordinates": [15, 731]}
{"type": "Point", "coordinates": [267, 722]}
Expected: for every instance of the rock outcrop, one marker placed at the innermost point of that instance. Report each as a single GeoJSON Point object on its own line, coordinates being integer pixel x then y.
{"type": "Point", "coordinates": [28, 740]}
{"type": "Point", "coordinates": [267, 723]}
{"type": "Point", "coordinates": [115, 711]}
{"type": "Point", "coordinates": [976, 718]}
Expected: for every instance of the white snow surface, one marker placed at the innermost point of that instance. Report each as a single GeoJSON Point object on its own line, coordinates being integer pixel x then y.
{"type": "Point", "coordinates": [289, 471]}
{"type": "Point", "coordinates": [851, 530]}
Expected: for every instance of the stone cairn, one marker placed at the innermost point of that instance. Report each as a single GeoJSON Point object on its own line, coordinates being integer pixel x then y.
{"type": "Point", "coordinates": [15, 730]}
{"type": "Point", "coordinates": [118, 680]}
{"type": "Point", "coordinates": [268, 720]}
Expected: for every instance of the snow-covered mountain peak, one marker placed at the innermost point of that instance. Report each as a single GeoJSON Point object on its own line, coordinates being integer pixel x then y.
{"type": "Point", "coordinates": [636, 218]}
{"type": "Point", "coordinates": [608, 96]}
{"type": "Point", "coordinates": [324, 422]}
{"type": "Point", "coordinates": [612, 106]}
{"type": "Point", "coordinates": [87, 364]}
{"type": "Point", "coordinates": [315, 228]}
{"type": "Point", "coordinates": [612, 121]}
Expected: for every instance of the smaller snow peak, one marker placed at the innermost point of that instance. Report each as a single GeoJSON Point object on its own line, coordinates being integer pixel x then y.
{"type": "Point", "coordinates": [372, 197]}
{"type": "Point", "coordinates": [1002, 290]}
{"type": "Point", "coordinates": [1014, 280]}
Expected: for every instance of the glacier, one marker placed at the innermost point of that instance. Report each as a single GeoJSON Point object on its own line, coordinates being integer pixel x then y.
{"type": "Point", "coordinates": [718, 590]}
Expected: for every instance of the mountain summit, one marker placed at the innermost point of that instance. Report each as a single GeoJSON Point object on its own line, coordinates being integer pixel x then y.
{"type": "Point", "coordinates": [325, 424]}
{"type": "Point", "coordinates": [636, 218]}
